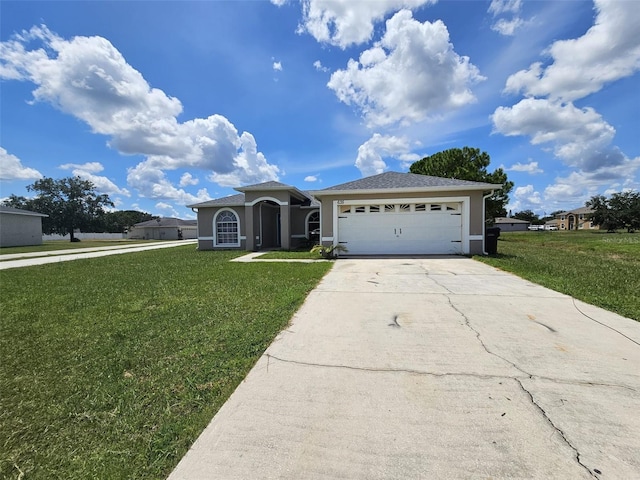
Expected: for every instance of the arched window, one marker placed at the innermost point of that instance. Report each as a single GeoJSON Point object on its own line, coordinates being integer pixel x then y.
{"type": "Point", "coordinates": [227, 229]}
{"type": "Point", "coordinates": [313, 224]}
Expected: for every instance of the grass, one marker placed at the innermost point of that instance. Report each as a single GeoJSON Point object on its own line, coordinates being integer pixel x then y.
{"type": "Point", "coordinates": [112, 366]}
{"type": "Point", "coordinates": [596, 267]}
{"type": "Point", "coordinates": [293, 254]}
{"type": "Point", "coordinates": [67, 245]}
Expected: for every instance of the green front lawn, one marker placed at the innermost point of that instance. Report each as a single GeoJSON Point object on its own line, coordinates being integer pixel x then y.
{"type": "Point", "coordinates": [599, 268]}
{"type": "Point", "coordinates": [112, 366]}
{"type": "Point", "coordinates": [292, 254]}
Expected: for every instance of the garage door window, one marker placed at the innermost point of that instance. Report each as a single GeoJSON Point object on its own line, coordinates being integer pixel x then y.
{"type": "Point", "coordinates": [401, 208]}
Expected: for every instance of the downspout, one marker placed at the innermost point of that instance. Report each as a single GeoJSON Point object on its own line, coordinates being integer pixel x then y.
{"type": "Point", "coordinates": [195, 210]}
{"type": "Point", "coordinates": [484, 226]}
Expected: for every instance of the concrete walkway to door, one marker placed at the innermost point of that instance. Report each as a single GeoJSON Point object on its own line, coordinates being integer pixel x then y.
{"type": "Point", "coordinates": [433, 368]}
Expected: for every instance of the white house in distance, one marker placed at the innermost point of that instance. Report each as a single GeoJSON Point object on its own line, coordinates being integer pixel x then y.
{"type": "Point", "coordinates": [166, 228]}
{"type": "Point", "coordinates": [20, 227]}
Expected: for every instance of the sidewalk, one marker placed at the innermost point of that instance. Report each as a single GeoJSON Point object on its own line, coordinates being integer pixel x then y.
{"type": "Point", "coordinates": [55, 256]}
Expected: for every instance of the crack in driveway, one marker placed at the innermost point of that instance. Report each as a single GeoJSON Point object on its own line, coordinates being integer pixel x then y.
{"type": "Point", "coordinates": [555, 427]}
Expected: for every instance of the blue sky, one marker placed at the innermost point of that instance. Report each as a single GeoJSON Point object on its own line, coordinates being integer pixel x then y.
{"type": "Point", "coordinates": [162, 104]}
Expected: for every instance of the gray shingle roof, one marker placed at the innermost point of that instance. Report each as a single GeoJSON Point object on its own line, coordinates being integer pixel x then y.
{"type": "Point", "coordinates": [395, 180]}
{"type": "Point", "coordinates": [236, 200]}
{"type": "Point", "coordinates": [499, 220]}
{"type": "Point", "coordinates": [18, 211]}
{"type": "Point", "coordinates": [167, 222]}
{"type": "Point", "coordinates": [266, 186]}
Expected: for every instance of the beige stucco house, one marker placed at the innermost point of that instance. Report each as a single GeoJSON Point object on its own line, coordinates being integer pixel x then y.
{"type": "Point", "coordinates": [578, 219]}
{"type": "Point", "coordinates": [20, 227]}
{"type": "Point", "coordinates": [389, 213]}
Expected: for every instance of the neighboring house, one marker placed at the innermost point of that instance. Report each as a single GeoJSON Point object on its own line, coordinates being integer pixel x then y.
{"type": "Point", "coordinates": [165, 228]}
{"type": "Point", "coordinates": [511, 224]}
{"type": "Point", "coordinates": [20, 227]}
{"type": "Point", "coordinates": [552, 224]}
{"type": "Point", "coordinates": [577, 219]}
{"type": "Point", "coordinates": [389, 213]}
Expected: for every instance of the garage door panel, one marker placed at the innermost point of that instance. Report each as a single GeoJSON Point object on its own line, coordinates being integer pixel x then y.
{"type": "Point", "coordinates": [425, 232]}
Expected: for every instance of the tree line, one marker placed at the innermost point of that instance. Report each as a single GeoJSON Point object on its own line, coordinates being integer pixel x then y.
{"type": "Point", "coordinates": [72, 203]}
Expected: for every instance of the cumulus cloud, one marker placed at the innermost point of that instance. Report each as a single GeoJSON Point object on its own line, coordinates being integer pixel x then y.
{"type": "Point", "coordinates": [525, 198]}
{"type": "Point", "coordinates": [167, 210]}
{"type": "Point", "coordinates": [87, 171]}
{"type": "Point", "coordinates": [412, 72]}
{"type": "Point", "coordinates": [371, 153]}
{"type": "Point", "coordinates": [89, 78]}
{"type": "Point", "coordinates": [530, 168]}
{"type": "Point", "coordinates": [187, 179]}
{"type": "Point", "coordinates": [580, 136]}
{"type": "Point", "coordinates": [507, 27]}
{"type": "Point", "coordinates": [608, 51]}
{"type": "Point", "coordinates": [345, 22]}
{"type": "Point", "coordinates": [319, 67]}
{"type": "Point", "coordinates": [310, 178]}
{"type": "Point", "coordinates": [499, 7]}
{"type": "Point", "coordinates": [11, 168]}
{"type": "Point", "coordinates": [277, 66]}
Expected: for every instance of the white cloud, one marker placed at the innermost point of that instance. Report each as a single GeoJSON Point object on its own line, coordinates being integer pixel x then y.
{"type": "Point", "coordinates": [11, 168]}
{"type": "Point", "coordinates": [580, 136]}
{"type": "Point", "coordinates": [152, 183]}
{"type": "Point", "coordinates": [92, 167]}
{"type": "Point", "coordinates": [608, 51]}
{"type": "Point", "coordinates": [525, 198]}
{"type": "Point", "coordinates": [167, 210]}
{"type": "Point", "coordinates": [412, 72]}
{"type": "Point", "coordinates": [319, 67]}
{"type": "Point", "coordinates": [311, 178]}
{"type": "Point", "coordinates": [188, 179]}
{"type": "Point", "coordinates": [345, 22]}
{"type": "Point", "coordinates": [277, 66]}
{"type": "Point", "coordinates": [507, 27]}
{"type": "Point", "coordinates": [370, 153]}
{"type": "Point", "coordinates": [578, 187]}
{"type": "Point", "coordinates": [88, 78]}
{"type": "Point", "coordinates": [530, 168]}
{"type": "Point", "coordinates": [499, 7]}
{"type": "Point", "coordinates": [87, 171]}
{"type": "Point", "coordinates": [278, 3]}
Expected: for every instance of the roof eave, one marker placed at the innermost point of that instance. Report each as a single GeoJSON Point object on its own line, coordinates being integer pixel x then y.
{"type": "Point", "coordinates": [440, 188]}
{"type": "Point", "coordinates": [283, 188]}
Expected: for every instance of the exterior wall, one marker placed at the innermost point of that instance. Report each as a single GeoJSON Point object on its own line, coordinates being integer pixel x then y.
{"type": "Point", "coordinates": [474, 206]}
{"type": "Point", "coordinates": [154, 233]}
{"type": "Point", "coordinates": [512, 227]}
{"type": "Point", "coordinates": [206, 217]}
{"type": "Point", "coordinates": [20, 230]}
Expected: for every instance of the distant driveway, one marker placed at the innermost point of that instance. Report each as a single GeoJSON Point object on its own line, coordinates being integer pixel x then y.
{"type": "Point", "coordinates": [55, 256]}
{"type": "Point", "coordinates": [433, 368]}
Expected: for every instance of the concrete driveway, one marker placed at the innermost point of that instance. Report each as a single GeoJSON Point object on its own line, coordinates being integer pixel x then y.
{"type": "Point", "coordinates": [433, 368]}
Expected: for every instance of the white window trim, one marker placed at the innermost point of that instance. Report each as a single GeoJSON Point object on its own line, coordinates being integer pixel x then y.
{"type": "Point", "coordinates": [306, 221]}
{"type": "Point", "coordinates": [215, 229]}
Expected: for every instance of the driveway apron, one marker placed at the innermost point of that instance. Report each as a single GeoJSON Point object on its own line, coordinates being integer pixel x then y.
{"type": "Point", "coordinates": [433, 368]}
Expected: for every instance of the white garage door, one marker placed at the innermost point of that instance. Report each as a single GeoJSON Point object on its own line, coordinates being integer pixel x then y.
{"type": "Point", "coordinates": [415, 228]}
